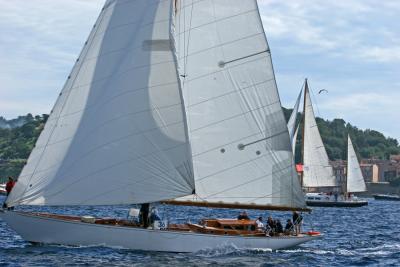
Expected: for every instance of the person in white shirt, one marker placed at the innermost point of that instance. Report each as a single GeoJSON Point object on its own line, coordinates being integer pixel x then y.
{"type": "Point", "coordinates": [260, 224]}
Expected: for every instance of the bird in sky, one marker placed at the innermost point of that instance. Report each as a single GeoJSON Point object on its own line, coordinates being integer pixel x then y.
{"type": "Point", "coordinates": [323, 90]}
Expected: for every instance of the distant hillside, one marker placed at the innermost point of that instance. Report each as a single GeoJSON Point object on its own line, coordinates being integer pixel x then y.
{"type": "Point", "coordinates": [18, 122]}
{"type": "Point", "coordinates": [368, 143]}
{"type": "Point", "coordinates": [18, 136]}
{"type": "Point", "coordinates": [17, 141]}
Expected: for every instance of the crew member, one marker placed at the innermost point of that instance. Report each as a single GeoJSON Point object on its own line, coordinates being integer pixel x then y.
{"type": "Point", "coordinates": [144, 215]}
{"type": "Point", "coordinates": [10, 184]}
{"type": "Point", "coordinates": [243, 216]}
{"type": "Point", "coordinates": [259, 223]}
{"type": "Point", "coordinates": [297, 219]}
{"type": "Point", "coordinates": [289, 227]}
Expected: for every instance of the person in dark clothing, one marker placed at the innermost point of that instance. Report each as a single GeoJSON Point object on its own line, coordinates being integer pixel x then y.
{"type": "Point", "coordinates": [289, 227]}
{"type": "Point", "coordinates": [279, 227]}
{"type": "Point", "coordinates": [10, 184]}
{"type": "Point", "coordinates": [144, 215]}
{"type": "Point", "coordinates": [297, 219]}
{"type": "Point", "coordinates": [154, 215]}
{"type": "Point", "coordinates": [271, 225]}
{"type": "Point", "coordinates": [243, 216]}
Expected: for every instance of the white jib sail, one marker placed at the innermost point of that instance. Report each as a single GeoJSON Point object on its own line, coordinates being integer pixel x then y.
{"type": "Point", "coordinates": [292, 120]}
{"type": "Point", "coordinates": [295, 139]}
{"type": "Point", "coordinates": [117, 132]}
{"type": "Point", "coordinates": [240, 142]}
{"type": "Point", "coordinates": [355, 179]}
{"type": "Point", "coordinates": [317, 172]}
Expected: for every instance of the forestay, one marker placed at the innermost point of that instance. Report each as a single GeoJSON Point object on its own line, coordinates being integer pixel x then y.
{"type": "Point", "coordinates": [116, 134]}
{"type": "Point", "coordinates": [355, 179]}
{"type": "Point", "coordinates": [240, 142]}
{"type": "Point", "coordinates": [317, 172]}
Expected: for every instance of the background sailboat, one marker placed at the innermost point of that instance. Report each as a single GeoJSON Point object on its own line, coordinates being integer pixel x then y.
{"type": "Point", "coordinates": [167, 99]}
{"type": "Point", "coordinates": [317, 171]}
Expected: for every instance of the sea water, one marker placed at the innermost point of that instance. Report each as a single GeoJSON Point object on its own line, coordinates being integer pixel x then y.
{"type": "Point", "coordinates": [366, 236]}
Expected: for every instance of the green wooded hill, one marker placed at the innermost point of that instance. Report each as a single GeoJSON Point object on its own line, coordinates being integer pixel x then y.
{"type": "Point", "coordinates": [17, 142]}
{"type": "Point", "coordinates": [367, 143]}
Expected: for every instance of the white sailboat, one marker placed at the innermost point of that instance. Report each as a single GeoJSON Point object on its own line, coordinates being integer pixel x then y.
{"type": "Point", "coordinates": [171, 100]}
{"type": "Point", "coordinates": [317, 171]}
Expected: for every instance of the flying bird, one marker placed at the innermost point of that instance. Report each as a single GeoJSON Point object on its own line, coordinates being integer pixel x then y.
{"type": "Point", "coordinates": [323, 90]}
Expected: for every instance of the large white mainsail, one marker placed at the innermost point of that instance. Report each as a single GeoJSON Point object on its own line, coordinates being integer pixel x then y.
{"type": "Point", "coordinates": [239, 137]}
{"type": "Point", "coordinates": [355, 179]}
{"type": "Point", "coordinates": [117, 132]}
{"type": "Point", "coordinates": [317, 172]}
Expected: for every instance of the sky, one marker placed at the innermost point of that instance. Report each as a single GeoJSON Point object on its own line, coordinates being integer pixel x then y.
{"type": "Point", "coordinates": [349, 47]}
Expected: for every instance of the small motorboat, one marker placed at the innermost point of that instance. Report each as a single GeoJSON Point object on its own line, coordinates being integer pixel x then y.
{"type": "Point", "coordinates": [327, 200]}
{"type": "Point", "coordinates": [391, 197]}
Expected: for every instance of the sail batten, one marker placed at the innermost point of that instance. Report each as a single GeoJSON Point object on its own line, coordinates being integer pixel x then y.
{"type": "Point", "coordinates": [239, 137]}
{"type": "Point", "coordinates": [317, 172]}
{"type": "Point", "coordinates": [117, 134]}
{"type": "Point", "coordinates": [355, 180]}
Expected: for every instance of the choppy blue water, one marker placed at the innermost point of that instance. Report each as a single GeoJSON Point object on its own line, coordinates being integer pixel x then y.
{"type": "Point", "coordinates": [366, 236]}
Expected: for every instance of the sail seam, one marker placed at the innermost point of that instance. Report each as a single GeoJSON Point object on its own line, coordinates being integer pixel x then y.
{"type": "Point", "coordinates": [224, 69]}
{"type": "Point", "coordinates": [218, 20]}
{"type": "Point", "coordinates": [81, 178]}
{"type": "Point", "coordinates": [237, 165]}
{"type": "Point", "coordinates": [250, 181]}
{"type": "Point", "coordinates": [229, 93]}
{"type": "Point", "coordinates": [233, 117]}
{"type": "Point", "coordinates": [105, 144]}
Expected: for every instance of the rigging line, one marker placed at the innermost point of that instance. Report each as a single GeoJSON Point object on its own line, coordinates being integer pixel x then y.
{"type": "Point", "coordinates": [83, 54]}
{"type": "Point", "coordinates": [186, 55]}
{"type": "Point", "coordinates": [242, 146]}
{"type": "Point", "coordinates": [223, 63]}
{"type": "Point", "coordinates": [184, 44]}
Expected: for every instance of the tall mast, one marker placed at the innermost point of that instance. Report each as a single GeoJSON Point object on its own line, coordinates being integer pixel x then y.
{"type": "Point", "coordinates": [303, 131]}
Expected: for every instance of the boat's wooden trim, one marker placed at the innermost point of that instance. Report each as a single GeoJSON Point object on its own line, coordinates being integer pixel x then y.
{"type": "Point", "coordinates": [233, 205]}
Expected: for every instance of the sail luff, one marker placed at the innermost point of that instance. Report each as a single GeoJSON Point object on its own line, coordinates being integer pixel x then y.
{"type": "Point", "coordinates": [317, 171]}
{"type": "Point", "coordinates": [120, 136]}
{"type": "Point", "coordinates": [355, 180]}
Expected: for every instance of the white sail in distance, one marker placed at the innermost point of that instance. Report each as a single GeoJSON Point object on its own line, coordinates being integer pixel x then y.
{"type": "Point", "coordinates": [317, 171]}
{"type": "Point", "coordinates": [292, 126]}
{"type": "Point", "coordinates": [240, 143]}
{"type": "Point", "coordinates": [355, 179]}
{"type": "Point", "coordinates": [117, 133]}
{"type": "Point", "coordinates": [295, 139]}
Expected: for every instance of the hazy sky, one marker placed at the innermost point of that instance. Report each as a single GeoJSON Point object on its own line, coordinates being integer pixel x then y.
{"type": "Point", "coordinates": [349, 47]}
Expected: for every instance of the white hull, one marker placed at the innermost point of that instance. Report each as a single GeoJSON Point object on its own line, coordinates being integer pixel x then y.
{"type": "Point", "coordinates": [56, 231]}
